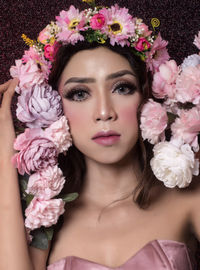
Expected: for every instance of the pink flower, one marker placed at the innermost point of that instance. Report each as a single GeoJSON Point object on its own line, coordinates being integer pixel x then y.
{"type": "Point", "coordinates": [51, 50]}
{"type": "Point", "coordinates": [142, 44]}
{"type": "Point", "coordinates": [36, 151]}
{"type": "Point", "coordinates": [58, 132]}
{"type": "Point", "coordinates": [119, 25]}
{"type": "Point", "coordinates": [153, 122]}
{"type": "Point", "coordinates": [187, 127]}
{"type": "Point", "coordinates": [44, 35]}
{"type": "Point", "coordinates": [97, 21]}
{"type": "Point", "coordinates": [157, 55]}
{"type": "Point", "coordinates": [43, 213]}
{"type": "Point", "coordinates": [164, 80]}
{"type": "Point", "coordinates": [188, 85]}
{"type": "Point", "coordinates": [28, 74]}
{"type": "Point", "coordinates": [197, 41]}
{"type": "Point", "coordinates": [70, 23]}
{"type": "Point", "coordinates": [33, 54]}
{"type": "Point", "coordinates": [47, 183]}
{"type": "Point", "coordinates": [142, 27]}
{"type": "Point", "coordinates": [39, 107]}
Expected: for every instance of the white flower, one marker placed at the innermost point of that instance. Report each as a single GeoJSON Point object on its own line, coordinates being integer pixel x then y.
{"type": "Point", "coordinates": [191, 61]}
{"type": "Point", "coordinates": [173, 165]}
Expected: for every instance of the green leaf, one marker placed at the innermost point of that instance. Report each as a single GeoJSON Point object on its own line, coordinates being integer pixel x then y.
{"type": "Point", "coordinates": [49, 233]}
{"type": "Point", "coordinates": [171, 117]}
{"type": "Point", "coordinates": [28, 199]}
{"type": "Point", "coordinates": [69, 197]}
{"type": "Point", "coordinates": [40, 239]}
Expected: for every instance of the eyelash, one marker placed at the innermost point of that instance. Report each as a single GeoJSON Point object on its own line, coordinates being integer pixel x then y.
{"type": "Point", "coordinates": [71, 93]}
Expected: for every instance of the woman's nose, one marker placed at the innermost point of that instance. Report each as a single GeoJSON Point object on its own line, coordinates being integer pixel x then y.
{"type": "Point", "coordinates": [104, 109]}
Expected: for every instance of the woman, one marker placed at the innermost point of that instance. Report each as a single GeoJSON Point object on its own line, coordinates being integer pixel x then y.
{"type": "Point", "coordinates": [104, 228]}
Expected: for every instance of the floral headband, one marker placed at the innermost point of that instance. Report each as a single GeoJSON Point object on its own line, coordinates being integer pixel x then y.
{"type": "Point", "coordinates": [39, 106]}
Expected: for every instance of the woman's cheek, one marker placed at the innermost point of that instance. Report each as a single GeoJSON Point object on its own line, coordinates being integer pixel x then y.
{"type": "Point", "coordinates": [129, 115]}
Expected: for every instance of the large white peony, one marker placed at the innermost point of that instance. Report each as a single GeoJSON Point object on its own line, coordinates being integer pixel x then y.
{"type": "Point", "coordinates": [173, 165]}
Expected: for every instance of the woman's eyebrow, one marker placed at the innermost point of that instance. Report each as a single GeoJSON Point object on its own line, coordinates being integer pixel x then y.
{"type": "Point", "coordinates": [92, 80]}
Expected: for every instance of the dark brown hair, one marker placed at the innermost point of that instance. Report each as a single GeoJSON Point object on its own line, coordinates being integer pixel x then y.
{"type": "Point", "coordinates": [73, 164]}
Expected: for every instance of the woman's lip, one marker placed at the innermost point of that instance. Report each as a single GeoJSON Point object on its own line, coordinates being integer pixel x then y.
{"type": "Point", "coordinates": [107, 140]}
{"type": "Point", "coordinates": [105, 134]}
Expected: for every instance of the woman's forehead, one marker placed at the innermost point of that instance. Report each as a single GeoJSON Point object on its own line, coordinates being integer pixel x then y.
{"type": "Point", "coordinates": [97, 62]}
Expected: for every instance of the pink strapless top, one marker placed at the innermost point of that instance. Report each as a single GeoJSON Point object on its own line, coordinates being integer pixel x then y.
{"type": "Point", "coordinates": [155, 255]}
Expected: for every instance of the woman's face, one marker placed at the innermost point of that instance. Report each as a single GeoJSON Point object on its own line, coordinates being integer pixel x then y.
{"type": "Point", "coordinates": [99, 91]}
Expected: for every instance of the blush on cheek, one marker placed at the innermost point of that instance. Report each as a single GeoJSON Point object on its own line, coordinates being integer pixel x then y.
{"type": "Point", "coordinates": [129, 115]}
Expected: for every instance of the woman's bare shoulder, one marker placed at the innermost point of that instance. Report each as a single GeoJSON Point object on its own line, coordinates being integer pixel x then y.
{"type": "Point", "coordinates": [191, 198]}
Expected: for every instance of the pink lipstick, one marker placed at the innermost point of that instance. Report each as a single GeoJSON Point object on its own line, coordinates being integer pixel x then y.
{"type": "Point", "coordinates": [106, 138]}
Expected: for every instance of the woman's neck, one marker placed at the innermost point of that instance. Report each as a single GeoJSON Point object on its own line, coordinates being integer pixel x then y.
{"type": "Point", "coordinates": [104, 183]}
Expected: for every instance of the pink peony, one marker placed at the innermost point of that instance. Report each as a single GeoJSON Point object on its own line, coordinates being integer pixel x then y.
{"type": "Point", "coordinates": [43, 213]}
{"type": "Point", "coordinates": [157, 55]}
{"type": "Point", "coordinates": [58, 132]}
{"type": "Point", "coordinates": [164, 80]}
{"type": "Point", "coordinates": [187, 127]}
{"type": "Point", "coordinates": [153, 122]}
{"type": "Point", "coordinates": [70, 23]}
{"type": "Point", "coordinates": [97, 21]}
{"type": "Point", "coordinates": [36, 151]}
{"type": "Point", "coordinates": [51, 50]}
{"type": "Point", "coordinates": [29, 74]}
{"type": "Point", "coordinates": [119, 25]}
{"type": "Point", "coordinates": [188, 85]}
{"type": "Point", "coordinates": [197, 41]}
{"type": "Point", "coordinates": [39, 107]}
{"type": "Point", "coordinates": [142, 44]}
{"type": "Point", "coordinates": [47, 183]}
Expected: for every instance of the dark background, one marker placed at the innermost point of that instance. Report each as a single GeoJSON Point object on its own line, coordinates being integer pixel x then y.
{"type": "Point", "coordinates": [179, 23]}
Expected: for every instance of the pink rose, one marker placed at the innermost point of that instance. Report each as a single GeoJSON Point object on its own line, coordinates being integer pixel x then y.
{"type": "Point", "coordinates": [97, 21]}
{"type": "Point", "coordinates": [36, 151]}
{"type": "Point", "coordinates": [28, 73]}
{"type": "Point", "coordinates": [153, 122]}
{"type": "Point", "coordinates": [46, 183]}
{"type": "Point", "coordinates": [188, 85]}
{"type": "Point", "coordinates": [142, 44]}
{"type": "Point", "coordinates": [39, 107]}
{"type": "Point", "coordinates": [51, 50]}
{"type": "Point", "coordinates": [187, 127]}
{"type": "Point", "coordinates": [164, 80]}
{"type": "Point", "coordinates": [43, 213]}
{"type": "Point", "coordinates": [58, 132]}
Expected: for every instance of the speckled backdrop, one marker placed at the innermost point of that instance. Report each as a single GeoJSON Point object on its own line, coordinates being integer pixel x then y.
{"type": "Point", "coordinates": [179, 23]}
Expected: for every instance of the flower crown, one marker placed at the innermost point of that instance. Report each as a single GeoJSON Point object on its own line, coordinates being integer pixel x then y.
{"type": "Point", "coordinates": [39, 106]}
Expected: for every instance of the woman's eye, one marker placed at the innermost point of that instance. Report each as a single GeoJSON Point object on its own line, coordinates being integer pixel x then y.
{"type": "Point", "coordinates": [125, 88]}
{"type": "Point", "coordinates": [76, 95]}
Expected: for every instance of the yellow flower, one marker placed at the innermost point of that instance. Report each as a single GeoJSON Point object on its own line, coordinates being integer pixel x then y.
{"type": "Point", "coordinates": [115, 27]}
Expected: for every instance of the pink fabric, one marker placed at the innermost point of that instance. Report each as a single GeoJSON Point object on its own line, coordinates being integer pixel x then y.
{"type": "Point", "coordinates": [155, 255]}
